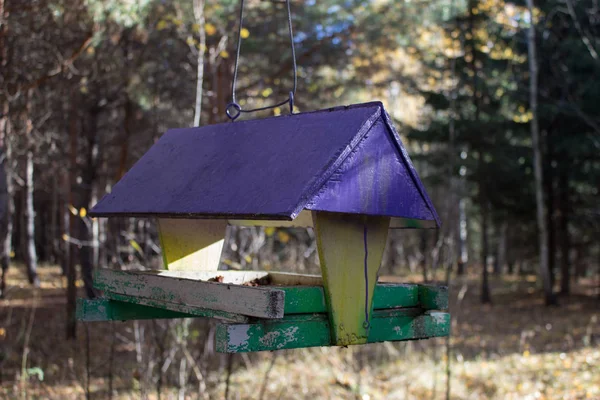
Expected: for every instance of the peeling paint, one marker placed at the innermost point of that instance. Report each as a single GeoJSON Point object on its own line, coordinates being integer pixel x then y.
{"type": "Point", "coordinates": [239, 337]}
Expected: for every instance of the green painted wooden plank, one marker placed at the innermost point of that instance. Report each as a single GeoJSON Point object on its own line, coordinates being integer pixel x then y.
{"type": "Point", "coordinates": [433, 297]}
{"type": "Point", "coordinates": [189, 311]}
{"type": "Point", "coordinates": [311, 299]}
{"type": "Point", "coordinates": [260, 302]}
{"type": "Point", "coordinates": [299, 331]}
{"type": "Point", "coordinates": [103, 309]}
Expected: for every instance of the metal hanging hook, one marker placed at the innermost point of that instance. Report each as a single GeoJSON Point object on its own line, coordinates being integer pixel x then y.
{"type": "Point", "coordinates": [233, 109]}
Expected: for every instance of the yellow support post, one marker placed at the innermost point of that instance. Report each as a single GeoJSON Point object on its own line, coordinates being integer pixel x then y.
{"type": "Point", "coordinates": [347, 242]}
{"type": "Point", "coordinates": [191, 244]}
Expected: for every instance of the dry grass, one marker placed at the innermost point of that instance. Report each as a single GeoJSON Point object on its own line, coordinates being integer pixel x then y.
{"type": "Point", "coordinates": [515, 349]}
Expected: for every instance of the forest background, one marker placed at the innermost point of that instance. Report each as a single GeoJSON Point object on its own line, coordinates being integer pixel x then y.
{"type": "Point", "coordinates": [496, 101]}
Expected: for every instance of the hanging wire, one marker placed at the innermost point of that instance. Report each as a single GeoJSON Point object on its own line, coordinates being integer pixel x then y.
{"type": "Point", "coordinates": [233, 109]}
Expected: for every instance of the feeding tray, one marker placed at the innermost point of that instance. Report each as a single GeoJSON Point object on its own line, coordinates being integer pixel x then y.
{"type": "Point", "coordinates": [290, 309]}
{"type": "Point", "coordinates": [342, 172]}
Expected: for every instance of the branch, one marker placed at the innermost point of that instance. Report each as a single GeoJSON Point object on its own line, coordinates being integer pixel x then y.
{"type": "Point", "coordinates": [61, 67]}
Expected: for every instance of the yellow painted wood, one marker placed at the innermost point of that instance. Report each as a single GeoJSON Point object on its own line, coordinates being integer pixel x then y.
{"type": "Point", "coordinates": [191, 244]}
{"type": "Point", "coordinates": [303, 220]}
{"type": "Point", "coordinates": [340, 239]}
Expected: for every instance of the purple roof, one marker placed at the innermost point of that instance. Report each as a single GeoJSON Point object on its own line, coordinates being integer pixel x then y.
{"type": "Point", "coordinates": [344, 159]}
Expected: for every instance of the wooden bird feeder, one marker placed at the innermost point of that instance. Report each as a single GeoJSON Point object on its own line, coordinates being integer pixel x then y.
{"type": "Point", "coordinates": [341, 171]}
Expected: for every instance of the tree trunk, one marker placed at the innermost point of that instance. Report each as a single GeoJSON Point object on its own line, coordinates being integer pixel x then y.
{"type": "Point", "coordinates": [199, 17]}
{"type": "Point", "coordinates": [31, 254]}
{"type": "Point", "coordinates": [88, 176]}
{"type": "Point", "coordinates": [6, 198]}
{"type": "Point", "coordinates": [423, 248]}
{"type": "Point", "coordinates": [486, 297]}
{"type": "Point", "coordinates": [537, 155]}
{"type": "Point", "coordinates": [463, 247]}
{"type": "Point", "coordinates": [565, 243]}
{"type": "Point", "coordinates": [501, 257]}
{"type": "Point", "coordinates": [71, 184]}
{"type": "Point", "coordinates": [549, 188]}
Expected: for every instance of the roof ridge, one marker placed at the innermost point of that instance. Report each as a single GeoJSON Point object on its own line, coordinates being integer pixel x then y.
{"type": "Point", "coordinates": [311, 191]}
{"type": "Point", "coordinates": [375, 103]}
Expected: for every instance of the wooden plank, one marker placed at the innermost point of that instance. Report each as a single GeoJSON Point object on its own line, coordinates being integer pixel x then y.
{"type": "Point", "coordinates": [103, 309]}
{"type": "Point", "coordinates": [311, 299]}
{"type": "Point", "coordinates": [241, 277]}
{"type": "Point", "coordinates": [187, 310]}
{"type": "Point", "coordinates": [432, 297]}
{"type": "Point", "coordinates": [298, 300]}
{"type": "Point", "coordinates": [314, 330]}
{"type": "Point", "coordinates": [303, 220]}
{"type": "Point", "coordinates": [344, 241]}
{"type": "Point", "coordinates": [258, 302]}
{"type": "Point", "coordinates": [191, 244]}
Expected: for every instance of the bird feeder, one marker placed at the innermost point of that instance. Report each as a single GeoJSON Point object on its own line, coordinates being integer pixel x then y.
{"type": "Point", "coordinates": [341, 171]}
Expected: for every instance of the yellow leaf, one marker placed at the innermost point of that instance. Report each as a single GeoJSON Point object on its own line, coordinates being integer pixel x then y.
{"type": "Point", "coordinates": [526, 353]}
{"type": "Point", "coordinates": [248, 258]}
{"type": "Point", "coordinates": [267, 92]}
{"type": "Point", "coordinates": [283, 236]}
{"type": "Point", "coordinates": [162, 24]}
{"type": "Point", "coordinates": [82, 212]}
{"type": "Point", "coordinates": [277, 111]}
{"type": "Point", "coordinates": [244, 33]}
{"type": "Point", "coordinates": [136, 246]}
{"type": "Point", "coordinates": [195, 27]}
{"type": "Point", "coordinates": [177, 22]}
{"type": "Point", "coordinates": [2, 331]}
{"type": "Point", "coordinates": [210, 29]}
{"type": "Point", "coordinates": [12, 254]}
{"type": "Point", "coordinates": [269, 231]}
{"type": "Point", "coordinates": [65, 237]}
{"type": "Point", "coordinates": [190, 41]}
{"type": "Point", "coordinates": [224, 54]}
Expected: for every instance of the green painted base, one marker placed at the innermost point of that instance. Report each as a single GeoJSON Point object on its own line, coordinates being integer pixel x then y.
{"type": "Point", "coordinates": [300, 331]}
{"type": "Point", "coordinates": [298, 300]}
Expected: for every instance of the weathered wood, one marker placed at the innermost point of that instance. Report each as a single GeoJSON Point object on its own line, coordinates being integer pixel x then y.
{"type": "Point", "coordinates": [314, 330]}
{"type": "Point", "coordinates": [179, 309]}
{"type": "Point", "coordinates": [102, 309]}
{"type": "Point", "coordinates": [432, 297]}
{"type": "Point", "coordinates": [344, 241]}
{"type": "Point", "coordinates": [303, 220]}
{"type": "Point", "coordinates": [191, 244]}
{"type": "Point", "coordinates": [252, 301]}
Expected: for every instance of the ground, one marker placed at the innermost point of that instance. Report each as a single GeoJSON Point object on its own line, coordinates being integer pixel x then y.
{"type": "Point", "coordinates": [514, 349]}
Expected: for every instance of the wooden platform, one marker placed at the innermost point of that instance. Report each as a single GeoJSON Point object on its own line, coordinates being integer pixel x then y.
{"type": "Point", "coordinates": [262, 310]}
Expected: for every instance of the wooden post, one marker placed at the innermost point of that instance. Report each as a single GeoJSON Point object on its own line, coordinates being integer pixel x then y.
{"type": "Point", "coordinates": [191, 244]}
{"type": "Point", "coordinates": [348, 245]}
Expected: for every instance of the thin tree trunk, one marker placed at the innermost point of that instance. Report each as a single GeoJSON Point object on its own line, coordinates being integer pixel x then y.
{"type": "Point", "coordinates": [6, 199]}
{"type": "Point", "coordinates": [54, 217]}
{"type": "Point", "coordinates": [30, 252]}
{"type": "Point", "coordinates": [71, 184]}
{"type": "Point", "coordinates": [423, 246]}
{"type": "Point", "coordinates": [537, 155]}
{"type": "Point", "coordinates": [31, 256]}
{"type": "Point", "coordinates": [565, 242]}
{"type": "Point", "coordinates": [486, 298]}
{"type": "Point", "coordinates": [200, 22]}
{"type": "Point", "coordinates": [463, 248]}
{"type": "Point", "coordinates": [85, 197]}
{"type": "Point", "coordinates": [549, 188]}
{"type": "Point", "coordinates": [501, 258]}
